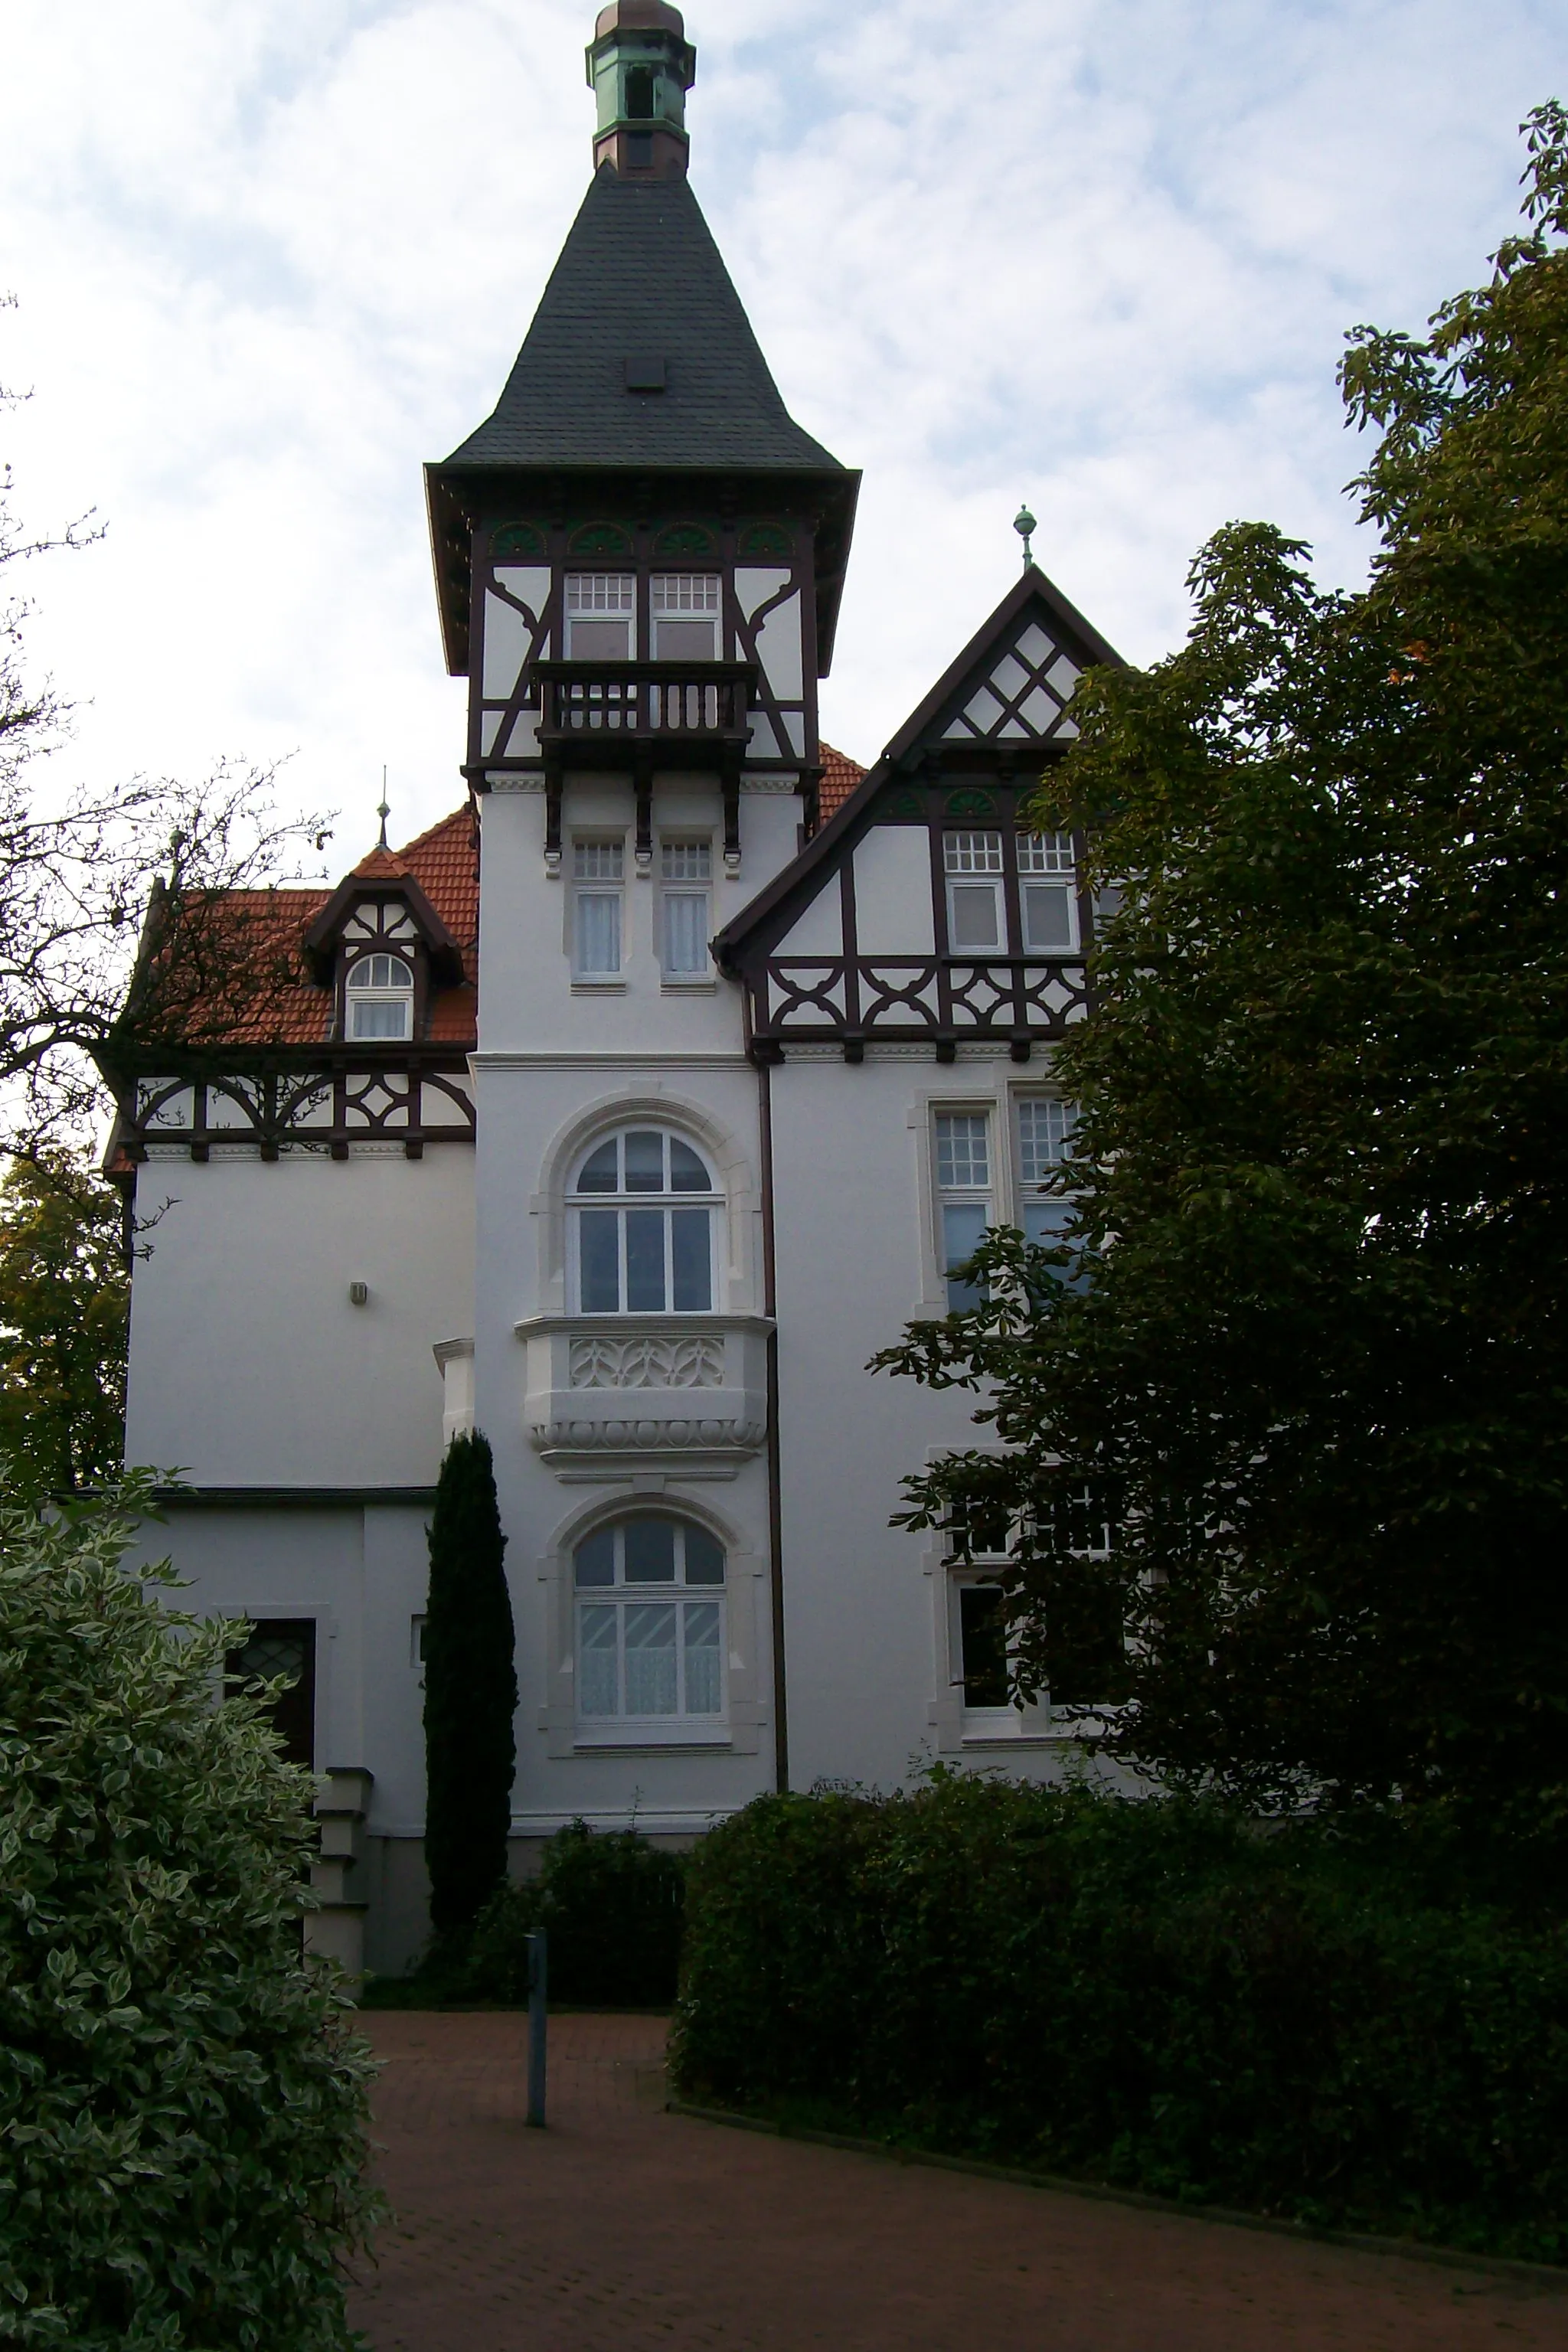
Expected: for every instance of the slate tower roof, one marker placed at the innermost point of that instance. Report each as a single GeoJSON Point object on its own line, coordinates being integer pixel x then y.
{"type": "Point", "coordinates": [641, 287]}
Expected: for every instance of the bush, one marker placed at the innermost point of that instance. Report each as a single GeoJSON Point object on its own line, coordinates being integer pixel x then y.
{"type": "Point", "coordinates": [612, 1907]}
{"type": "Point", "coordinates": [182, 2108]}
{"type": "Point", "coordinates": [1150, 1993]}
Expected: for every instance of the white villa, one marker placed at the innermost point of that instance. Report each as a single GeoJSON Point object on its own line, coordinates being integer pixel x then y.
{"type": "Point", "coordinates": [626, 1113]}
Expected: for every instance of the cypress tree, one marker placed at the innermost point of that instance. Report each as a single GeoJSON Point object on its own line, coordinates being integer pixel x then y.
{"type": "Point", "coordinates": [470, 1690]}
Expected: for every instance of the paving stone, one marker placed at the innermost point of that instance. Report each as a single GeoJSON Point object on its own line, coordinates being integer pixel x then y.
{"type": "Point", "coordinates": [621, 2228]}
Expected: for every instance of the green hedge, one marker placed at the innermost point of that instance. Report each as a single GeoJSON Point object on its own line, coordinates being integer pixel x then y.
{"type": "Point", "coordinates": [1153, 1994]}
{"type": "Point", "coordinates": [611, 1905]}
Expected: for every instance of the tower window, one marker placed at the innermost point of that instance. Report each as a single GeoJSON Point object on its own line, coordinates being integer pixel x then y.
{"type": "Point", "coordinates": [600, 612]}
{"type": "Point", "coordinates": [380, 995]}
{"type": "Point", "coordinates": [685, 615]}
{"type": "Point", "coordinates": [639, 94]}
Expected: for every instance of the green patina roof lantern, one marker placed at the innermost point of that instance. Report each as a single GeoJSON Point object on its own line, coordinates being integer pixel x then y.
{"type": "Point", "coordinates": [640, 66]}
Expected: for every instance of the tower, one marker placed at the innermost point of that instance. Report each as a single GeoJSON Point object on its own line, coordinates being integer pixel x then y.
{"type": "Point", "coordinates": [638, 554]}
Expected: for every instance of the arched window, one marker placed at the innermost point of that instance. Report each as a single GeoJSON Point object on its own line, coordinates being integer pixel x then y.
{"type": "Point", "coordinates": [380, 993]}
{"type": "Point", "coordinates": [643, 1211]}
{"type": "Point", "coordinates": [649, 1602]}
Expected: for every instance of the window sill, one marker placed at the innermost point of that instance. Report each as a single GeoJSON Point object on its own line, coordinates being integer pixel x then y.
{"type": "Point", "coordinates": [586, 987]}
{"type": "Point", "coordinates": [697, 987]}
{"type": "Point", "coordinates": [643, 1739]}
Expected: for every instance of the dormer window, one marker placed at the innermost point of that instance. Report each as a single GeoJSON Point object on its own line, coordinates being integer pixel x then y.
{"type": "Point", "coordinates": [380, 998]}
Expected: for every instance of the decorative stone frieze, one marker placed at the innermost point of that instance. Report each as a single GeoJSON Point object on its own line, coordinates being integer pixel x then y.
{"type": "Point", "coordinates": [606, 1395]}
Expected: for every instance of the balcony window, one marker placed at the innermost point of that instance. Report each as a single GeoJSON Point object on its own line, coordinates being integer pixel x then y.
{"type": "Point", "coordinates": [647, 1657]}
{"type": "Point", "coordinates": [975, 919]}
{"type": "Point", "coordinates": [643, 1234]}
{"type": "Point", "coordinates": [685, 616]}
{"type": "Point", "coordinates": [380, 999]}
{"type": "Point", "coordinates": [601, 615]}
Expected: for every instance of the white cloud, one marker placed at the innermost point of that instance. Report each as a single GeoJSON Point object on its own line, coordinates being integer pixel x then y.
{"type": "Point", "coordinates": [1095, 253]}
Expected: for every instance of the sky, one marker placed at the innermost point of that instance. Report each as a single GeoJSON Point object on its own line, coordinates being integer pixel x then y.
{"type": "Point", "coordinates": [271, 255]}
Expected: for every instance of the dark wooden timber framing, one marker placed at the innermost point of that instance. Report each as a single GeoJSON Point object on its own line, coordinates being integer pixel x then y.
{"type": "Point", "coordinates": [547, 714]}
{"type": "Point", "coordinates": [313, 1098]}
{"type": "Point", "coordinates": [927, 777]}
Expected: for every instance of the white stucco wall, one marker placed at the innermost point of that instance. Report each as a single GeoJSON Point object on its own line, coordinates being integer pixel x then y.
{"type": "Point", "coordinates": [249, 1366]}
{"type": "Point", "coordinates": [865, 1603]}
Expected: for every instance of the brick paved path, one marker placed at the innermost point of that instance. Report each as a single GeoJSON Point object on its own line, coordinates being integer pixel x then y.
{"type": "Point", "coordinates": [622, 2228]}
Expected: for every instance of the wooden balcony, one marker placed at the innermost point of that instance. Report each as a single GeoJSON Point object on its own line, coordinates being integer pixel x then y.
{"type": "Point", "coordinates": [635, 714]}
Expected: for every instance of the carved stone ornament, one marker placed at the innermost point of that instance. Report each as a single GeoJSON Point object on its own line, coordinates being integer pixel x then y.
{"type": "Point", "coordinates": [647, 1364]}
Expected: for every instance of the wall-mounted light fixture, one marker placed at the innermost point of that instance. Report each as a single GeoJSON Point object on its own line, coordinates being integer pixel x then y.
{"type": "Point", "coordinates": [359, 1294]}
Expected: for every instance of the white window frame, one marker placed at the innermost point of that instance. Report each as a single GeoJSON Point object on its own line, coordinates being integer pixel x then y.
{"type": "Point", "coordinates": [682, 1726]}
{"type": "Point", "coordinates": [686, 596]}
{"type": "Point", "coordinates": [600, 596]}
{"type": "Point", "coordinates": [380, 993]}
{"type": "Point", "coordinates": [686, 873]}
{"type": "Point", "coordinates": [973, 862]}
{"type": "Point", "coordinates": [598, 872]}
{"type": "Point", "coordinates": [624, 1200]}
{"type": "Point", "coordinates": [1048, 862]}
{"type": "Point", "coordinates": [959, 1188]}
{"type": "Point", "coordinates": [1040, 1206]}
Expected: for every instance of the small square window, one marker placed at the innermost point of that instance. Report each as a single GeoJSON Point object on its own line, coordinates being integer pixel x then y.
{"type": "Point", "coordinates": [598, 861]}
{"type": "Point", "coordinates": [963, 1150]}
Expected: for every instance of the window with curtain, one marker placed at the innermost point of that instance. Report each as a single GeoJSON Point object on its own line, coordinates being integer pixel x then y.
{"type": "Point", "coordinates": [380, 998]}
{"type": "Point", "coordinates": [597, 874]}
{"type": "Point", "coordinates": [643, 1209]}
{"type": "Point", "coordinates": [648, 1598]}
{"type": "Point", "coordinates": [686, 871]}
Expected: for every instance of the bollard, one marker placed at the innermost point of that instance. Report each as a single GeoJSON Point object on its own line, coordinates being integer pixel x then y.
{"type": "Point", "coordinates": [537, 2021]}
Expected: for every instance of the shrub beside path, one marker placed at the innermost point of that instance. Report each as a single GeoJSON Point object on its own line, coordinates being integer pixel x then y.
{"type": "Point", "coordinates": [623, 2228]}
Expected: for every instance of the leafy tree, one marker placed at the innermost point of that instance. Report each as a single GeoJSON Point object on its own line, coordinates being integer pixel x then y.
{"type": "Point", "coordinates": [1316, 1384]}
{"type": "Point", "coordinates": [470, 1690]}
{"type": "Point", "coordinates": [64, 1301]}
{"type": "Point", "coordinates": [182, 2108]}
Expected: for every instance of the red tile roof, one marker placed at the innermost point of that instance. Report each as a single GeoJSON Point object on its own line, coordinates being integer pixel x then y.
{"type": "Point", "coordinates": [296, 1010]}
{"type": "Point", "coordinates": [840, 774]}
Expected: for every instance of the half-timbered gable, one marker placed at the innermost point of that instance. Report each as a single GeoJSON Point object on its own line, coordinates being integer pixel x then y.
{"type": "Point", "coordinates": [357, 1027]}
{"type": "Point", "coordinates": [927, 910]}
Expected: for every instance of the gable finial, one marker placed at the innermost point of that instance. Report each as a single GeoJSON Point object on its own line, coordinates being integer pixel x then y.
{"type": "Point", "coordinates": [382, 811]}
{"type": "Point", "coordinates": [1024, 523]}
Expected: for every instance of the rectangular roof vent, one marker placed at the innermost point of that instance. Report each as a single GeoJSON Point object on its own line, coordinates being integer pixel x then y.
{"type": "Point", "coordinates": [645, 374]}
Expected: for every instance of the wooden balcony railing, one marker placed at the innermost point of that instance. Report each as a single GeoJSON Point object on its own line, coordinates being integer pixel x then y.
{"type": "Point", "coordinates": [647, 702]}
